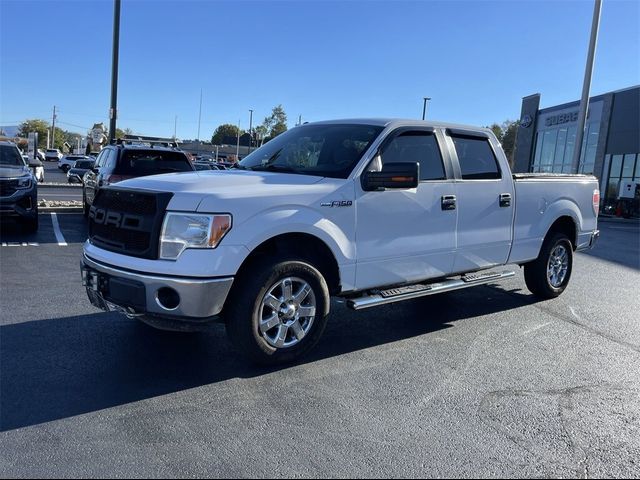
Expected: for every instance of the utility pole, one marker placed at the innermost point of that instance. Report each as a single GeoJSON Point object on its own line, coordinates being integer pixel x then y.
{"type": "Point", "coordinates": [250, 127]}
{"type": "Point", "coordinates": [53, 129]}
{"type": "Point", "coordinates": [586, 86]}
{"type": "Point", "coordinates": [114, 71]}
{"type": "Point", "coordinates": [199, 116]}
{"type": "Point", "coordinates": [424, 107]}
{"type": "Point", "coordinates": [238, 143]}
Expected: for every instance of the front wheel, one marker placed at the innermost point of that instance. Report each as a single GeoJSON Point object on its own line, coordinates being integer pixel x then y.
{"type": "Point", "coordinates": [549, 274]}
{"type": "Point", "coordinates": [277, 312]}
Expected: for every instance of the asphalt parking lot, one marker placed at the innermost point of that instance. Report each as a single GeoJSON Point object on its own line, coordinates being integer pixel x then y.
{"type": "Point", "coordinates": [485, 382]}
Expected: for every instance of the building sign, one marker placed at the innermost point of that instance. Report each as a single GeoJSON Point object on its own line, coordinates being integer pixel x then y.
{"type": "Point", "coordinates": [567, 117]}
{"type": "Point", "coordinates": [526, 121]}
{"type": "Point", "coordinates": [32, 145]}
{"type": "Point", "coordinates": [561, 118]}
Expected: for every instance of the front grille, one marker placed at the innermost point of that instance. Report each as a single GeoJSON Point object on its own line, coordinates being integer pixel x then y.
{"type": "Point", "coordinates": [8, 187]}
{"type": "Point", "coordinates": [128, 222]}
{"type": "Point", "coordinates": [127, 201]}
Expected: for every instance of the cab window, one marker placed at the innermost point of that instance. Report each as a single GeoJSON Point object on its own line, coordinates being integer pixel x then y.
{"type": "Point", "coordinates": [416, 146]}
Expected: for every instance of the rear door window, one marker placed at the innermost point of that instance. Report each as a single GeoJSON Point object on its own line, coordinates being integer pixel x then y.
{"type": "Point", "coordinates": [141, 163]}
{"type": "Point", "coordinates": [477, 161]}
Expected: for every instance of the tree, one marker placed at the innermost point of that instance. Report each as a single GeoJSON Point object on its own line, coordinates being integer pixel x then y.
{"type": "Point", "coordinates": [35, 125]}
{"type": "Point", "coordinates": [507, 134]}
{"type": "Point", "coordinates": [225, 130]}
{"type": "Point", "coordinates": [279, 118]}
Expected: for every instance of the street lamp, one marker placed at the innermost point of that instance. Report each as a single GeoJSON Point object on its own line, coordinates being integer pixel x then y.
{"type": "Point", "coordinates": [424, 107]}
{"type": "Point", "coordinates": [250, 129]}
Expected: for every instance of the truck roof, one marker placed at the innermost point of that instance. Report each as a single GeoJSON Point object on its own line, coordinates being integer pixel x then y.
{"type": "Point", "coordinates": [400, 122]}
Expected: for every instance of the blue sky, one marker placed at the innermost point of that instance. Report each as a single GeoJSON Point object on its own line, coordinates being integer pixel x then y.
{"type": "Point", "coordinates": [321, 60]}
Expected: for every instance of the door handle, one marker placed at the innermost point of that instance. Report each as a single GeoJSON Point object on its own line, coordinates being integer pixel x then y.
{"type": "Point", "coordinates": [505, 199]}
{"type": "Point", "coordinates": [448, 202]}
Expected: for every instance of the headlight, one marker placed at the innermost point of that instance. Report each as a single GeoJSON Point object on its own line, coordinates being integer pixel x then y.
{"type": "Point", "coordinates": [191, 230]}
{"type": "Point", "coordinates": [24, 182]}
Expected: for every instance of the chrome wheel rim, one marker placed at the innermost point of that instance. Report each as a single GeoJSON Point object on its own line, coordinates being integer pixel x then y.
{"type": "Point", "coordinates": [287, 312]}
{"type": "Point", "coordinates": [558, 266]}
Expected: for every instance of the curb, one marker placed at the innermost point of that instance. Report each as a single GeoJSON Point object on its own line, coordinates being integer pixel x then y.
{"type": "Point", "coordinates": [59, 209]}
{"type": "Point", "coordinates": [618, 220]}
{"type": "Point", "coordinates": [59, 185]}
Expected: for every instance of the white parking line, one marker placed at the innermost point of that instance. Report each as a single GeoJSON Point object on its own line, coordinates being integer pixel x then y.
{"type": "Point", "coordinates": [56, 230]}
{"type": "Point", "coordinates": [19, 244]}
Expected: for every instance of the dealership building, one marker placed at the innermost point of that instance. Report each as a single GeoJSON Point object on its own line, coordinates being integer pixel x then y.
{"type": "Point", "coordinates": [611, 145]}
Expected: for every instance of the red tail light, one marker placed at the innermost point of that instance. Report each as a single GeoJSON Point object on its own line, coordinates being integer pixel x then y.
{"type": "Point", "coordinates": [108, 179]}
{"type": "Point", "coordinates": [596, 201]}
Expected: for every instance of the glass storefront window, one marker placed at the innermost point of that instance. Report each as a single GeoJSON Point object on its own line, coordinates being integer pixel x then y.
{"type": "Point", "coordinates": [558, 156]}
{"type": "Point", "coordinates": [637, 174]}
{"type": "Point", "coordinates": [616, 166]}
{"type": "Point", "coordinates": [548, 149]}
{"type": "Point", "coordinates": [628, 165]}
{"type": "Point", "coordinates": [568, 151]}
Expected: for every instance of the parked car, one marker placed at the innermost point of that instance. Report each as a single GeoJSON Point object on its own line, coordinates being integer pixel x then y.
{"type": "Point", "coordinates": [121, 162]}
{"type": "Point", "coordinates": [76, 173]}
{"type": "Point", "coordinates": [18, 188]}
{"type": "Point", "coordinates": [370, 211]}
{"type": "Point", "coordinates": [205, 165]}
{"type": "Point", "coordinates": [52, 155]}
{"type": "Point", "coordinates": [36, 167]}
{"type": "Point", "coordinates": [68, 161]}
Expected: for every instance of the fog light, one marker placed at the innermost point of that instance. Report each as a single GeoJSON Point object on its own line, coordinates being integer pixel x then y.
{"type": "Point", "coordinates": [168, 298]}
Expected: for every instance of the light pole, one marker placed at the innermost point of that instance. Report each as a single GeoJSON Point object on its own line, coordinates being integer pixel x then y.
{"type": "Point", "coordinates": [250, 131]}
{"type": "Point", "coordinates": [586, 86]}
{"type": "Point", "coordinates": [424, 107]}
{"type": "Point", "coordinates": [114, 71]}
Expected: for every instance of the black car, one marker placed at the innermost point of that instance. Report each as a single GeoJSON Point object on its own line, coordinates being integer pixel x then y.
{"type": "Point", "coordinates": [75, 174]}
{"type": "Point", "coordinates": [123, 161]}
{"type": "Point", "coordinates": [18, 188]}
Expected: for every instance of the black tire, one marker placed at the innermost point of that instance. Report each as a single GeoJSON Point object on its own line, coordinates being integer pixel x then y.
{"type": "Point", "coordinates": [536, 273]}
{"type": "Point", "coordinates": [31, 224]}
{"type": "Point", "coordinates": [244, 309]}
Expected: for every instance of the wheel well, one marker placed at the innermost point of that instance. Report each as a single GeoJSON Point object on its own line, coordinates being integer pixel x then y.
{"type": "Point", "coordinates": [302, 246]}
{"type": "Point", "coordinates": [567, 226]}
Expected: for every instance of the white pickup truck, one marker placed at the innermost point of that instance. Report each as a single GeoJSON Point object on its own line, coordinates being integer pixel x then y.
{"type": "Point", "coordinates": [373, 211]}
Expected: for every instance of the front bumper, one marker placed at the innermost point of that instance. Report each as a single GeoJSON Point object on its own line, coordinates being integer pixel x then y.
{"type": "Point", "coordinates": [134, 294]}
{"type": "Point", "coordinates": [23, 203]}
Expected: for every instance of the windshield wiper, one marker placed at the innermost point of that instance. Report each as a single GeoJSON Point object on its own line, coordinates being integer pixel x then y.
{"type": "Point", "coordinates": [274, 168]}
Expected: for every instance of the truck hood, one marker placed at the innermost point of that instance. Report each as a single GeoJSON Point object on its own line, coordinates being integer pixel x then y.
{"type": "Point", "coordinates": [201, 190]}
{"type": "Point", "coordinates": [10, 171]}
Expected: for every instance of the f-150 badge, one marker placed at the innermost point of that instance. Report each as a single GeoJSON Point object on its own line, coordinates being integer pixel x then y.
{"type": "Point", "coordinates": [337, 203]}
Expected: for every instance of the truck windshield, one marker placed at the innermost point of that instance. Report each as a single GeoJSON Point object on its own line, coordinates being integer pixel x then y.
{"type": "Point", "coordinates": [323, 150]}
{"type": "Point", "coordinates": [9, 155]}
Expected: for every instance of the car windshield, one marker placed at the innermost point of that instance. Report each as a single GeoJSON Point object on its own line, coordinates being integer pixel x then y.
{"type": "Point", "coordinates": [9, 155]}
{"type": "Point", "coordinates": [141, 163]}
{"type": "Point", "coordinates": [331, 150]}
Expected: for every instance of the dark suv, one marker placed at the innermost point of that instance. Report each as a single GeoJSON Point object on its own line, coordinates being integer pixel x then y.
{"type": "Point", "coordinates": [18, 188]}
{"type": "Point", "coordinates": [121, 162]}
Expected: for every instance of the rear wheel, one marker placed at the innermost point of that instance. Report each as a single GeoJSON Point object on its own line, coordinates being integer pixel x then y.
{"type": "Point", "coordinates": [278, 312]}
{"type": "Point", "coordinates": [548, 275]}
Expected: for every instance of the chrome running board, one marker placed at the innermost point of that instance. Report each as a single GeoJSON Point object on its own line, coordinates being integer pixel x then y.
{"type": "Point", "coordinates": [408, 292]}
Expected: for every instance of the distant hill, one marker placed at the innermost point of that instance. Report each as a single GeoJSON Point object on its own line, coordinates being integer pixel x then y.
{"type": "Point", "coordinates": [9, 130]}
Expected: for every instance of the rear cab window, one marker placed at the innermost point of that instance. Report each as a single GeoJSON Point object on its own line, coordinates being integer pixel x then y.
{"type": "Point", "coordinates": [152, 162]}
{"type": "Point", "coordinates": [476, 158]}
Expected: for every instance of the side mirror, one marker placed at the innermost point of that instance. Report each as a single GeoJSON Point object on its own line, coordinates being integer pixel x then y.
{"type": "Point", "coordinates": [34, 163]}
{"type": "Point", "coordinates": [393, 175]}
{"type": "Point", "coordinates": [95, 170]}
